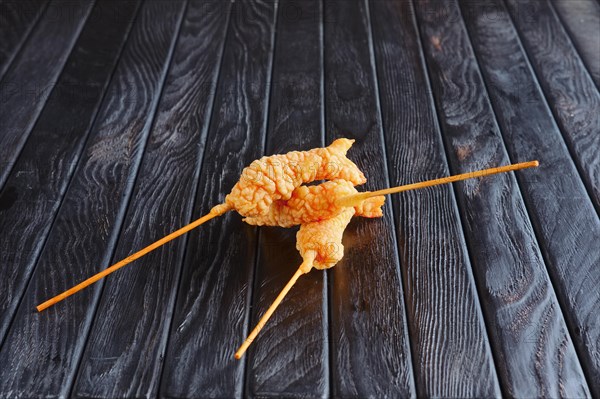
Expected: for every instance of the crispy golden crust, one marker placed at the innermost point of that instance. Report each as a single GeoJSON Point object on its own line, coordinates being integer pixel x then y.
{"type": "Point", "coordinates": [314, 203]}
{"type": "Point", "coordinates": [276, 177]}
{"type": "Point", "coordinates": [325, 238]}
{"type": "Point", "coordinates": [371, 207]}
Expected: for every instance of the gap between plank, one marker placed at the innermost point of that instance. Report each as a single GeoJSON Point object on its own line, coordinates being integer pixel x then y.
{"type": "Point", "coordinates": [546, 100]}
{"type": "Point", "coordinates": [200, 162]}
{"type": "Point", "coordinates": [250, 297]}
{"type": "Point", "coordinates": [456, 206]}
{"type": "Point", "coordinates": [25, 39]}
{"type": "Point", "coordinates": [117, 230]}
{"type": "Point", "coordinates": [392, 200]}
{"type": "Point", "coordinates": [520, 184]}
{"type": "Point", "coordinates": [68, 53]}
{"type": "Point", "coordinates": [70, 179]}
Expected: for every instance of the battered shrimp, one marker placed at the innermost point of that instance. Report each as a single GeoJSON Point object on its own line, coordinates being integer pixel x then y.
{"type": "Point", "coordinates": [314, 203]}
{"type": "Point", "coordinates": [325, 239]}
{"type": "Point", "coordinates": [273, 178]}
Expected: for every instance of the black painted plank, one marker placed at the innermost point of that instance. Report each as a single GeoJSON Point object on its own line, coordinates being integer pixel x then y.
{"type": "Point", "coordinates": [43, 349]}
{"type": "Point", "coordinates": [451, 354]}
{"type": "Point", "coordinates": [568, 87]}
{"type": "Point", "coordinates": [560, 209]}
{"type": "Point", "coordinates": [369, 336]}
{"type": "Point", "coordinates": [126, 360]}
{"type": "Point", "coordinates": [211, 315]}
{"type": "Point", "coordinates": [291, 355]}
{"type": "Point", "coordinates": [37, 184]}
{"type": "Point", "coordinates": [581, 18]}
{"type": "Point", "coordinates": [31, 76]}
{"type": "Point", "coordinates": [17, 19]}
{"type": "Point", "coordinates": [108, 172]}
{"type": "Point", "coordinates": [517, 297]}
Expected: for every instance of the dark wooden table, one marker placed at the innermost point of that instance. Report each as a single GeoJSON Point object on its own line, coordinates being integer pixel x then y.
{"type": "Point", "coordinates": [121, 121]}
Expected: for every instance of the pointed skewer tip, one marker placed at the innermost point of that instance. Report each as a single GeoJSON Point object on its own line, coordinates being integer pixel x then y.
{"type": "Point", "coordinates": [305, 267]}
{"type": "Point", "coordinates": [217, 210]}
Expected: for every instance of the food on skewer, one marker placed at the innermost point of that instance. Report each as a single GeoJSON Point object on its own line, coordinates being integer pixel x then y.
{"type": "Point", "coordinates": [275, 177]}
{"type": "Point", "coordinates": [315, 203]}
{"type": "Point", "coordinates": [264, 181]}
{"type": "Point", "coordinates": [270, 192]}
{"type": "Point", "coordinates": [324, 238]}
{"type": "Point", "coordinates": [320, 245]}
{"type": "Point", "coordinates": [320, 242]}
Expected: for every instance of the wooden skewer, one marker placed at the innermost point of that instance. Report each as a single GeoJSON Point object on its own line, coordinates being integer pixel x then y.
{"type": "Point", "coordinates": [222, 208]}
{"type": "Point", "coordinates": [304, 268]}
{"type": "Point", "coordinates": [214, 212]}
{"type": "Point", "coordinates": [353, 200]}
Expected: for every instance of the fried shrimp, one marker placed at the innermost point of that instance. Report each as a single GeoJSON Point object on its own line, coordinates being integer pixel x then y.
{"type": "Point", "coordinates": [275, 177]}
{"type": "Point", "coordinates": [272, 191]}
{"type": "Point", "coordinates": [315, 203]}
{"type": "Point", "coordinates": [325, 239]}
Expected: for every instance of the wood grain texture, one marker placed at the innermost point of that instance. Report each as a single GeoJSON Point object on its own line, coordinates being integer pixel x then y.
{"type": "Point", "coordinates": [581, 18]}
{"type": "Point", "coordinates": [562, 214]}
{"type": "Point", "coordinates": [139, 132]}
{"type": "Point", "coordinates": [568, 87]}
{"type": "Point", "coordinates": [46, 347]}
{"type": "Point", "coordinates": [126, 360]}
{"type": "Point", "coordinates": [533, 350]}
{"type": "Point", "coordinates": [290, 357]}
{"type": "Point", "coordinates": [32, 75]}
{"type": "Point", "coordinates": [451, 354]}
{"type": "Point", "coordinates": [107, 174]}
{"type": "Point", "coordinates": [370, 352]}
{"type": "Point", "coordinates": [17, 19]}
{"type": "Point", "coordinates": [34, 190]}
{"type": "Point", "coordinates": [211, 315]}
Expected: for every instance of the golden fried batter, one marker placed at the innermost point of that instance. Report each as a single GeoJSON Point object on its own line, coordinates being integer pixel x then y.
{"type": "Point", "coordinates": [314, 203]}
{"type": "Point", "coordinates": [324, 238]}
{"type": "Point", "coordinates": [273, 178]}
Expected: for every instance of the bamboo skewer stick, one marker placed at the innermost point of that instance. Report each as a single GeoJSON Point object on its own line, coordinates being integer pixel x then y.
{"type": "Point", "coordinates": [214, 212]}
{"type": "Point", "coordinates": [304, 268]}
{"type": "Point", "coordinates": [353, 200]}
{"type": "Point", "coordinates": [223, 208]}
